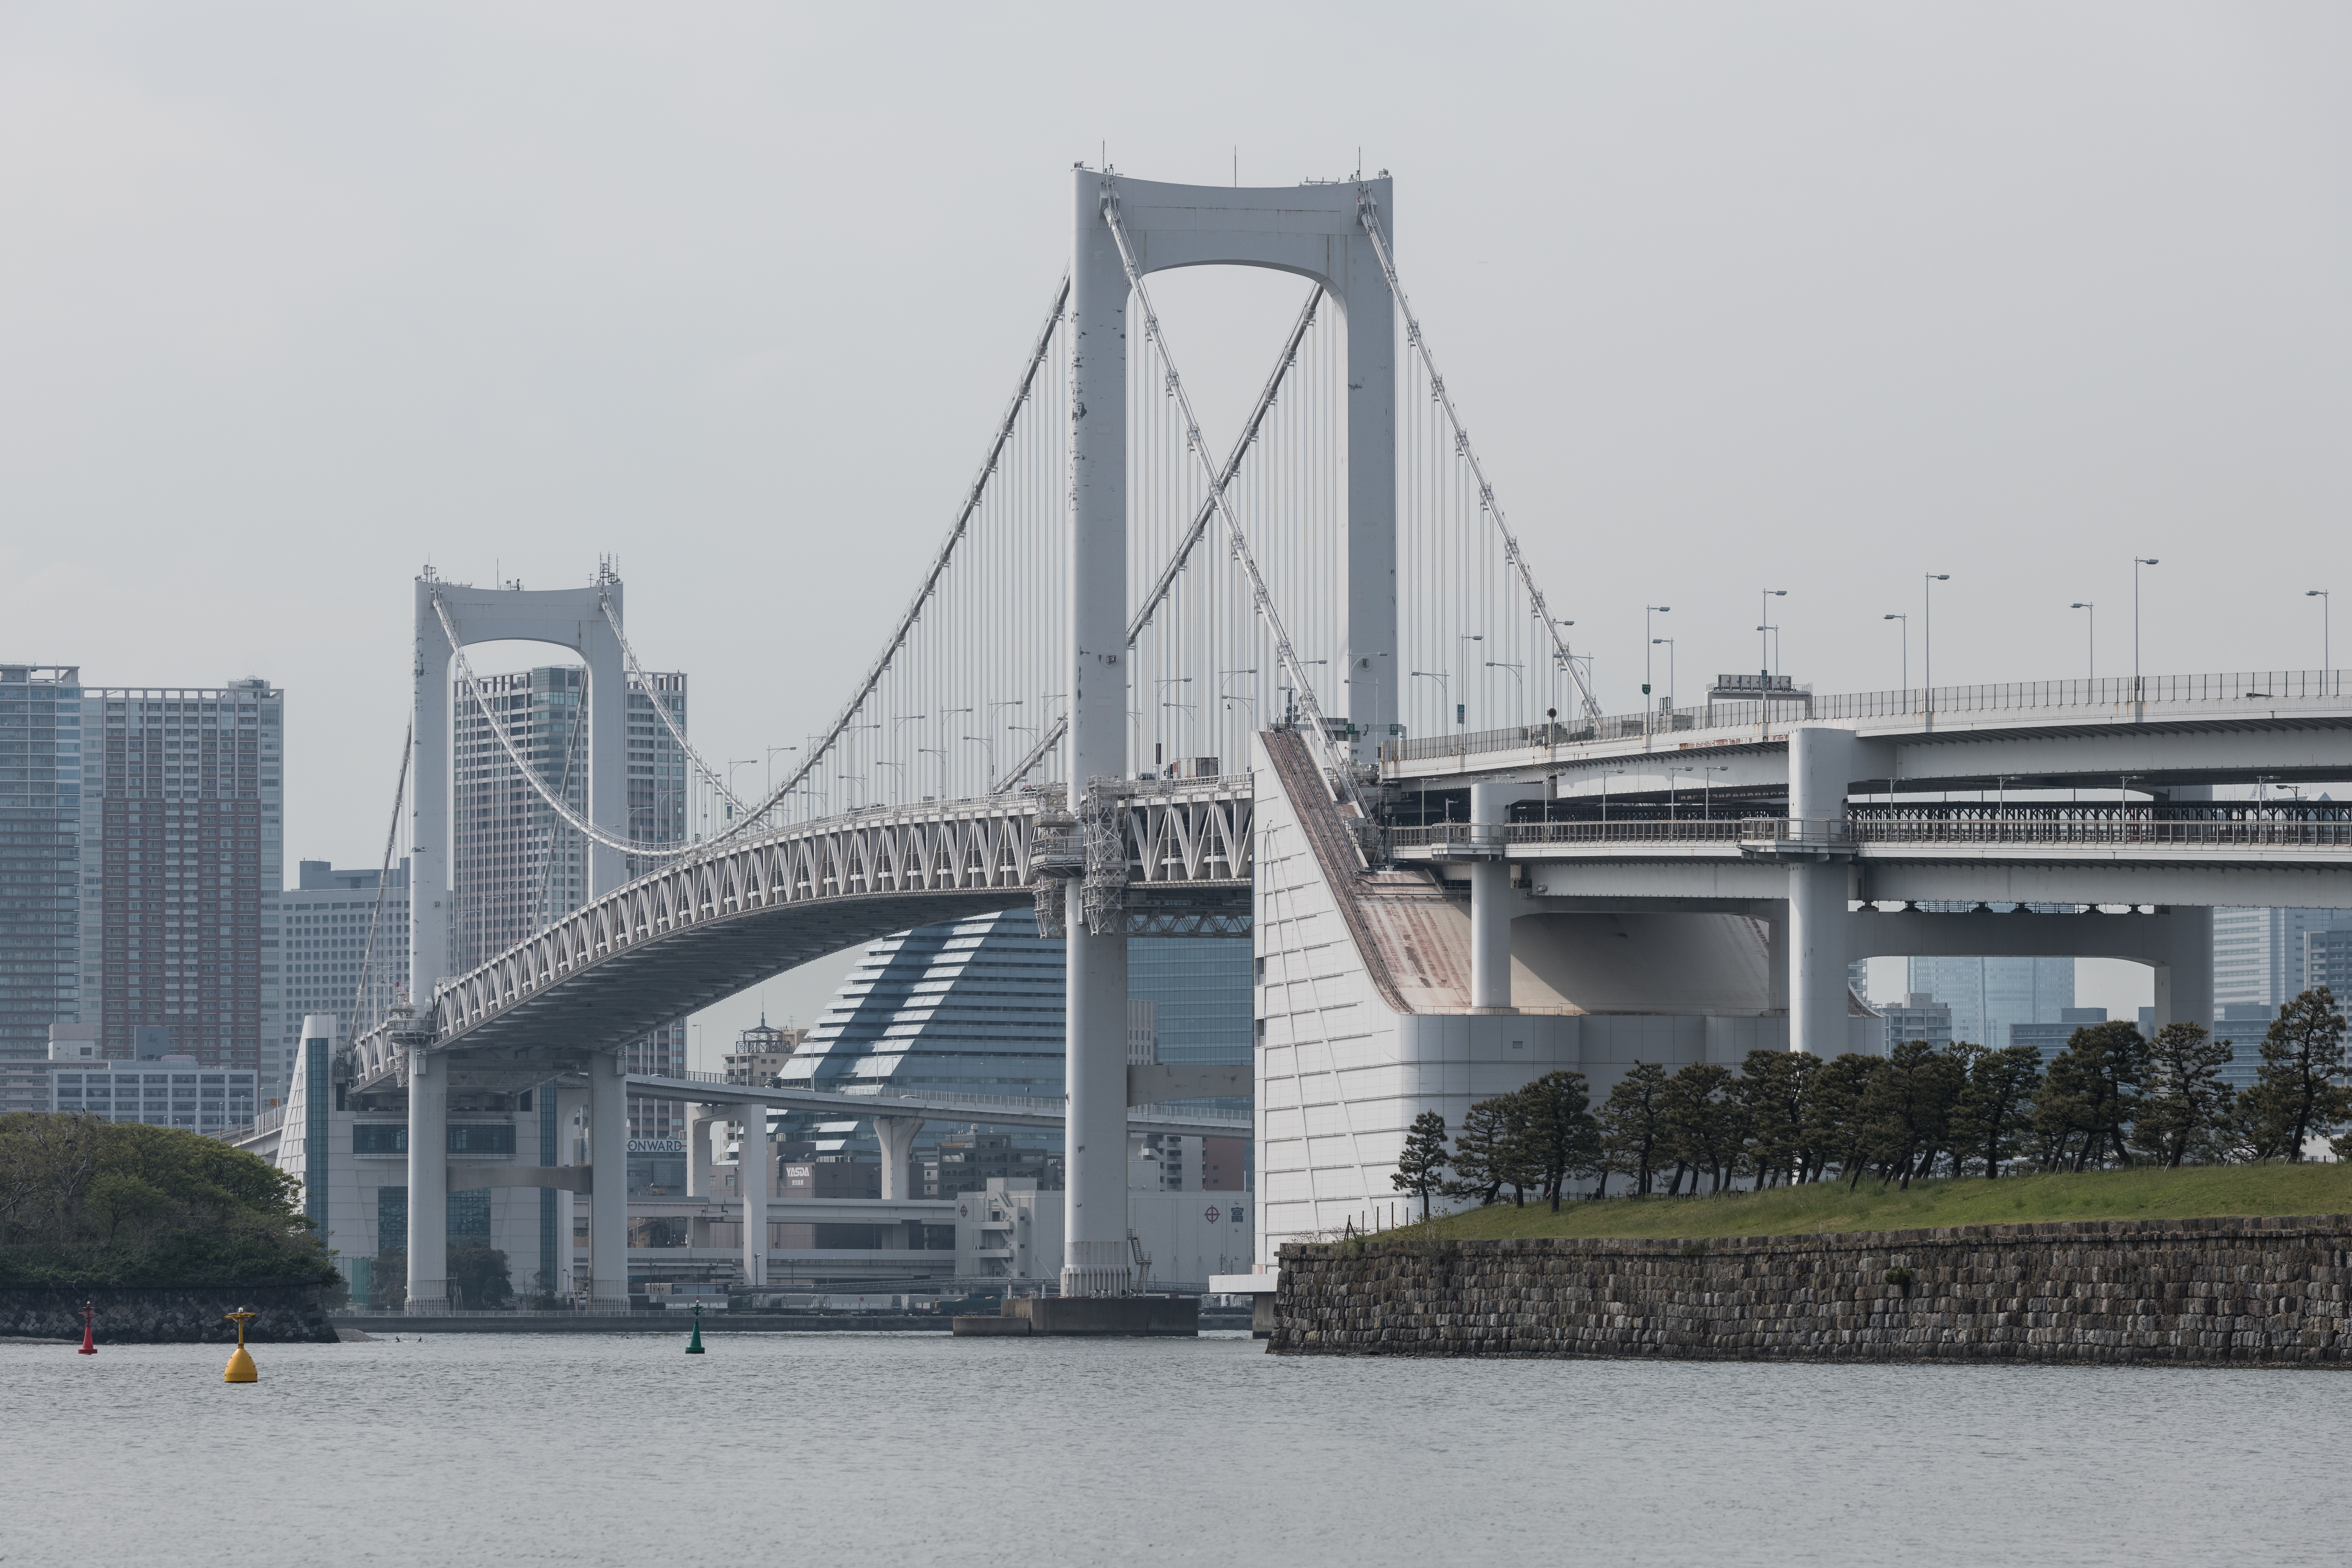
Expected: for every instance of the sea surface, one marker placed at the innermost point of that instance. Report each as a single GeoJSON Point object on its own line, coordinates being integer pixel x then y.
{"type": "Point", "coordinates": [818, 1449]}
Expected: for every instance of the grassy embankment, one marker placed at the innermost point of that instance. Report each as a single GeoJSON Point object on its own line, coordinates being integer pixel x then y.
{"type": "Point", "coordinates": [2189, 1194]}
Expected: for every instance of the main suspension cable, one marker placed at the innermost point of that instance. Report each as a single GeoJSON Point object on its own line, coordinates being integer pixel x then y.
{"type": "Point", "coordinates": [1369, 212]}
{"type": "Point", "coordinates": [561, 807]}
{"type": "Point", "coordinates": [1038, 356]}
{"type": "Point", "coordinates": [383, 883]}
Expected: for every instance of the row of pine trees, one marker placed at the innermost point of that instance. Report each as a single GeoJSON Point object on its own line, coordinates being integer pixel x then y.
{"type": "Point", "coordinates": [2112, 1096]}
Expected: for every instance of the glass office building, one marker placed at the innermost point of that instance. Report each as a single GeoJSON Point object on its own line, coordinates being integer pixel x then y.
{"type": "Point", "coordinates": [41, 934]}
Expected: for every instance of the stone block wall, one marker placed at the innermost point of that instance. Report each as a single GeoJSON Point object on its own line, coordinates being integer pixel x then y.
{"type": "Point", "coordinates": [2204, 1291]}
{"type": "Point", "coordinates": [168, 1314]}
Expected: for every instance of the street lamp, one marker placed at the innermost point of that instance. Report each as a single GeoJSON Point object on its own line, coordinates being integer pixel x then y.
{"type": "Point", "coordinates": [2137, 562]}
{"type": "Point", "coordinates": [1764, 615]}
{"type": "Point", "coordinates": [1928, 636]}
{"type": "Point", "coordinates": [2091, 624]}
{"type": "Point", "coordinates": [1649, 629]}
{"type": "Point", "coordinates": [1669, 666]}
{"type": "Point", "coordinates": [984, 740]}
{"type": "Point", "coordinates": [1906, 648]}
{"type": "Point", "coordinates": [2325, 606]}
{"type": "Point", "coordinates": [1461, 658]}
{"type": "Point", "coordinates": [1518, 673]}
{"type": "Point", "coordinates": [1444, 695]}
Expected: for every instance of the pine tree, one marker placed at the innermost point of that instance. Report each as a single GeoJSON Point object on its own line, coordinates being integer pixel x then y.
{"type": "Point", "coordinates": [1990, 1121]}
{"type": "Point", "coordinates": [1701, 1131]}
{"type": "Point", "coordinates": [2183, 1100]}
{"type": "Point", "coordinates": [1773, 1089]}
{"type": "Point", "coordinates": [2296, 1094]}
{"type": "Point", "coordinates": [1564, 1138]}
{"type": "Point", "coordinates": [1492, 1151]}
{"type": "Point", "coordinates": [1423, 1160]}
{"type": "Point", "coordinates": [2088, 1097]}
{"type": "Point", "coordinates": [1632, 1123]}
{"type": "Point", "coordinates": [1834, 1125]}
{"type": "Point", "coordinates": [1905, 1114]}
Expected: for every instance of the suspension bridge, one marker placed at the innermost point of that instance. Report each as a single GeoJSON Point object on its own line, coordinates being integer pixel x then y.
{"type": "Point", "coordinates": [1153, 688]}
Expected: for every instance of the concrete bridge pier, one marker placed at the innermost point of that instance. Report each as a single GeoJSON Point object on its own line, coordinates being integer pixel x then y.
{"type": "Point", "coordinates": [1490, 899]}
{"type": "Point", "coordinates": [700, 1120]}
{"type": "Point", "coordinates": [897, 1136]}
{"type": "Point", "coordinates": [755, 1174]}
{"type": "Point", "coordinates": [1095, 1259]}
{"type": "Point", "coordinates": [428, 1184]}
{"type": "Point", "coordinates": [2184, 980]}
{"type": "Point", "coordinates": [1821, 763]}
{"type": "Point", "coordinates": [608, 1183]}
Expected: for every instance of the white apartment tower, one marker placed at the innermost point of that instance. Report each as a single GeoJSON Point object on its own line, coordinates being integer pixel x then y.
{"type": "Point", "coordinates": [515, 866]}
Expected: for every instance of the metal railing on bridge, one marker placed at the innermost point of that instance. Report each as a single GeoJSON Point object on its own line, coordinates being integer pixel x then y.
{"type": "Point", "coordinates": [2224, 825]}
{"type": "Point", "coordinates": [1055, 1106]}
{"type": "Point", "coordinates": [2122, 698]}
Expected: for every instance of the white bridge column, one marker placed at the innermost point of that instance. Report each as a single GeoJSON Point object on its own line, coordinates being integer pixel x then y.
{"type": "Point", "coordinates": [1820, 765]}
{"type": "Point", "coordinates": [755, 1174]}
{"type": "Point", "coordinates": [1094, 1149]}
{"type": "Point", "coordinates": [1490, 895]}
{"type": "Point", "coordinates": [897, 1136]}
{"type": "Point", "coordinates": [699, 1119]}
{"type": "Point", "coordinates": [608, 1183]}
{"type": "Point", "coordinates": [428, 1184]}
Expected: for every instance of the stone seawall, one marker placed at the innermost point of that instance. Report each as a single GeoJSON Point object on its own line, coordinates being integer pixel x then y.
{"type": "Point", "coordinates": [2200, 1292]}
{"type": "Point", "coordinates": [167, 1314]}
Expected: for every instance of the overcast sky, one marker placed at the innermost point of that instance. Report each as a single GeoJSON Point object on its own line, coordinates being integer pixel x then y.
{"type": "Point", "coordinates": [297, 298]}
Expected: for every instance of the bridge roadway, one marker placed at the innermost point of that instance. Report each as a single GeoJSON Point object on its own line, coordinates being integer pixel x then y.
{"type": "Point", "coordinates": [1176, 857]}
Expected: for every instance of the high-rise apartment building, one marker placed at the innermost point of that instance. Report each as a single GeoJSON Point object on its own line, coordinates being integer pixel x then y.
{"type": "Point", "coordinates": [324, 920]}
{"type": "Point", "coordinates": [40, 872]}
{"type": "Point", "coordinates": [182, 844]}
{"type": "Point", "coordinates": [2258, 954]}
{"type": "Point", "coordinates": [515, 866]}
{"type": "Point", "coordinates": [1987, 995]}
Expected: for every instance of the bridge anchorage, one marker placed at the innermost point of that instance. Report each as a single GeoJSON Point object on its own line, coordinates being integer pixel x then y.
{"type": "Point", "coordinates": [1307, 691]}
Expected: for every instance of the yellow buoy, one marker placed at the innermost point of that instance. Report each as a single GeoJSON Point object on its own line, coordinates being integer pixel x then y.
{"type": "Point", "coordinates": [240, 1365]}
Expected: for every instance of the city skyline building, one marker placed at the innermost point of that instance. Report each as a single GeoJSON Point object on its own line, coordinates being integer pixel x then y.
{"type": "Point", "coordinates": [324, 921]}
{"type": "Point", "coordinates": [2258, 953]}
{"type": "Point", "coordinates": [1918, 1016]}
{"type": "Point", "coordinates": [1988, 995]}
{"type": "Point", "coordinates": [976, 1006]}
{"type": "Point", "coordinates": [516, 865]}
{"type": "Point", "coordinates": [41, 931]}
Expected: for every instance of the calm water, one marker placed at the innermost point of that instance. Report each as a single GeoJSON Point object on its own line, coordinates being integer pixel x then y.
{"type": "Point", "coordinates": [810, 1450]}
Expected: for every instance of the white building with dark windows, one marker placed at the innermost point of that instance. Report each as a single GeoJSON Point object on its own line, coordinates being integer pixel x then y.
{"type": "Point", "coordinates": [324, 924]}
{"type": "Point", "coordinates": [515, 865]}
{"type": "Point", "coordinates": [161, 1091]}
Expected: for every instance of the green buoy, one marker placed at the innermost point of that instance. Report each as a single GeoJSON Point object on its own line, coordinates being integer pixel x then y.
{"type": "Point", "coordinates": [694, 1345]}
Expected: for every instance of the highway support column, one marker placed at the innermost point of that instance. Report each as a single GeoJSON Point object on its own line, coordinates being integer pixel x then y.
{"type": "Point", "coordinates": [756, 1174]}
{"type": "Point", "coordinates": [1820, 765]}
{"type": "Point", "coordinates": [1490, 895]}
{"type": "Point", "coordinates": [428, 1184]}
{"type": "Point", "coordinates": [2184, 981]}
{"type": "Point", "coordinates": [895, 1134]}
{"type": "Point", "coordinates": [608, 1183]}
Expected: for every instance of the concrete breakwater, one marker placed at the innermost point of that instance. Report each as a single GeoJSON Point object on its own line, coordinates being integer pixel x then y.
{"type": "Point", "coordinates": [2182, 1291]}
{"type": "Point", "coordinates": [167, 1314]}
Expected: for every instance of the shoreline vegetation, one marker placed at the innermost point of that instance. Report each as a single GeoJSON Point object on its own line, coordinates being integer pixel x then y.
{"type": "Point", "coordinates": [2141, 1192]}
{"type": "Point", "coordinates": [86, 1204]}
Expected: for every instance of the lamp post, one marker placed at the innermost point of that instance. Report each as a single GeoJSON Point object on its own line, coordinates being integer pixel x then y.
{"type": "Point", "coordinates": [2139, 703]}
{"type": "Point", "coordinates": [2324, 605]}
{"type": "Point", "coordinates": [1518, 673]}
{"type": "Point", "coordinates": [1906, 649]}
{"type": "Point", "coordinates": [1461, 658]}
{"type": "Point", "coordinates": [1928, 636]}
{"type": "Point", "coordinates": [2091, 624]}
{"type": "Point", "coordinates": [984, 741]}
{"type": "Point", "coordinates": [1444, 695]}
{"type": "Point", "coordinates": [1649, 630]}
{"type": "Point", "coordinates": [1763, 617]}
{"type": "Point", "coordinates": [1670, 667]}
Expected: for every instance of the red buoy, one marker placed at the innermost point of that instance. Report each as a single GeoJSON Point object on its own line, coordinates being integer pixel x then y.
{"type": "Point", "coordinates": [88, 1335]}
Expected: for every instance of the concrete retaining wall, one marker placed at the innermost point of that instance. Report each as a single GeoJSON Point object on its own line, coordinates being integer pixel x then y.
{"type": "Point", "coordinates": [134, 1314]}
{"type": "Point", "coordinates": [2196, 1292]}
